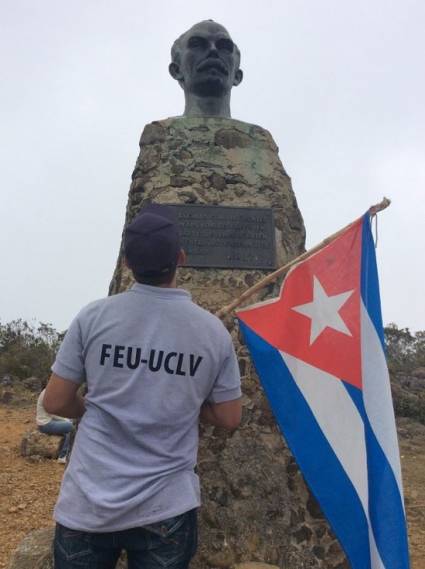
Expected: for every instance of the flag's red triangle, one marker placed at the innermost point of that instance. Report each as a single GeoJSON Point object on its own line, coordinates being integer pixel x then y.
{"type": "Point", "coordinates": [337, 268]}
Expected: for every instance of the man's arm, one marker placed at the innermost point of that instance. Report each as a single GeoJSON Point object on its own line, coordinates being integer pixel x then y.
{"type": "Point", "coordinates": [62, 398]}
{"type": "Point", "coordinates": [226, 414]}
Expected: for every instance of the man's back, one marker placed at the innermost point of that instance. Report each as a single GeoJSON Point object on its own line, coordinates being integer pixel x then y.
{"type": "Point", "coordinates": [151, 357]}
{"type": "Point", "coordinates": [155, 364]}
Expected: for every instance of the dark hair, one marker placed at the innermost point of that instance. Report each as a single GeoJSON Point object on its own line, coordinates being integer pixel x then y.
{"type": "Point", "coordinates": [155, 280]}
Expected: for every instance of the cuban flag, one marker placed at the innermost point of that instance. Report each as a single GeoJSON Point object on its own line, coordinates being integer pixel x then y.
{"type": "Point", "coordinates": [319, 352]}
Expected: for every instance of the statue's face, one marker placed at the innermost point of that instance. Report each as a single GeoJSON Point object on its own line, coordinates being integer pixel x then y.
{"type": "Point", "coordinates": [208, 64]}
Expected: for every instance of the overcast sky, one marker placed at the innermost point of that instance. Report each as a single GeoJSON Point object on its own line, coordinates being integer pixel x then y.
{"type": "Point", "coordinates": [338, 83]}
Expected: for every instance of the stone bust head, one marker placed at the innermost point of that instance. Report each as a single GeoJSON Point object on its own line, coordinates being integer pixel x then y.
{"type": "Point", "coordinates": [205, 62]}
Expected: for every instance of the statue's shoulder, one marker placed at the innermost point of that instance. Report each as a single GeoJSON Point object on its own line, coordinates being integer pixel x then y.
{"type": "Point", "coordinates": [154, 132]}
{"type": "Point", "coordinates": [158, 131]}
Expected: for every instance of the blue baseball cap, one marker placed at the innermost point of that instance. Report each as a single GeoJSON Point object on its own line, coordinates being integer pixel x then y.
{"type": "Point", "coordinates": [152, 242]}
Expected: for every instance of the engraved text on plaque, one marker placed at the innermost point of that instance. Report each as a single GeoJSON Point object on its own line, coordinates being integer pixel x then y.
{"type": "Point", "coordinates": [227, 237]}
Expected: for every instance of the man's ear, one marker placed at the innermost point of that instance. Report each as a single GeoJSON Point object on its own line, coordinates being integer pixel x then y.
{"type": "Point", "coordinates": [238, 77]}
{"type": "Point", "coordinates": [175, 72]}
{"type": "Point", "coordinates": [182, 258]}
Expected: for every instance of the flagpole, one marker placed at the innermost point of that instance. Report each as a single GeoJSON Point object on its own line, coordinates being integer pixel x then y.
{"type": "Point", "coordinates": [373, 210]}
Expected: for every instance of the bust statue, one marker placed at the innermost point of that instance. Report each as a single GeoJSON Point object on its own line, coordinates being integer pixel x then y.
{"type": "Point", "coordinates": [205, 62]}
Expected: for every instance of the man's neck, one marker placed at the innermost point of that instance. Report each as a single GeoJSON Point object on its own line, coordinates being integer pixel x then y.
{"type": "Point", "coordinates": [207, 106]}
{"type": "Point", "coordinates": [172, 284]}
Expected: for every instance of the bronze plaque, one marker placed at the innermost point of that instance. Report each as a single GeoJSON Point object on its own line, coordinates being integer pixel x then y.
{"type": "Point", "coordinates": [227, 237]}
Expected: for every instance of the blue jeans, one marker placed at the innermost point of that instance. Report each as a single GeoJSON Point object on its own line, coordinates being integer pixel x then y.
{"type": "Point", "coordinates": [59, 427]}
{"type": "Point", "coordinates": [169, 544]}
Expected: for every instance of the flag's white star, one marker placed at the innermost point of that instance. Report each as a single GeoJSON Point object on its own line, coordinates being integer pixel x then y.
{"type": "Point", "coordinates": [324, 311]}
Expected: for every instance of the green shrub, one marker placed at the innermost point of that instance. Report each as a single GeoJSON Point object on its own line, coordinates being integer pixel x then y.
{"type": "Point", "coordinates": [27, 349]}
{"type": "Point", "coordinates": [405, 351]}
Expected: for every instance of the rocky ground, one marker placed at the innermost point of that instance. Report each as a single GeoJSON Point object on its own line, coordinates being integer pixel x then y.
{"type": "Point", "coordinates": [28, 489]}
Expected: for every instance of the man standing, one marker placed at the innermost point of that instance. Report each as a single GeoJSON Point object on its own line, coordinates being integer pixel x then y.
{"type": "Point", "coordinates": [154, 363]}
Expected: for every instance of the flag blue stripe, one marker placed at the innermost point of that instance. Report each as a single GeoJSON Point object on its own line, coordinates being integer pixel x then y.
{"type": "Point", "coordinates": [321, 468]}
{"type": "Point", "coordinates": [386, 511]}
{"type": "Point", "coordinates": [369, 285]}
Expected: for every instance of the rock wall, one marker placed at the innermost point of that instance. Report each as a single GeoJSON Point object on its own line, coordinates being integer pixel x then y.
{"type": "Point", "coordinates": [256, 506]}
{"type": "Point", "coordinates": [213, 161]}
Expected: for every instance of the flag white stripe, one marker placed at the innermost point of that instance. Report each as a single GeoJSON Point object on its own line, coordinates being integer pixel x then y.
{"type": "Point", "coordinates": [338, 418]}
{"type": "Point", "coordinates": [377, 394]}
{"type": "Point", "coordinates": [342, 425]}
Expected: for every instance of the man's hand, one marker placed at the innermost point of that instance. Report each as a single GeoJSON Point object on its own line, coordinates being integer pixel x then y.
{"type": "Point", "coordinates": [62, 398]}
{"type": "Point", "coordinates": [227, 414]}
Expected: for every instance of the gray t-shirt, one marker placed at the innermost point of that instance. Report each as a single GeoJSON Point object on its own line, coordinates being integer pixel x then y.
{"type": "Point", "coordinates": [150, 357]}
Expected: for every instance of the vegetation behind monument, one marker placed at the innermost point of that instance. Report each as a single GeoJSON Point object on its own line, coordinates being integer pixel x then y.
{"type": "Point", "coordinates": [28, 350]}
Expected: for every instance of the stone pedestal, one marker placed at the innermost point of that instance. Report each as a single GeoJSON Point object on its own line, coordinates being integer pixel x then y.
{"type": "Point", "coordinates": [256, 506]}
{"type": "Point", "coordinates": [214, 161]}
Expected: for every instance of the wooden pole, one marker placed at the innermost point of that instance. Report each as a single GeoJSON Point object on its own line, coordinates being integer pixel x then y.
{"type": "Point", "coordinates": [373, 210]}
